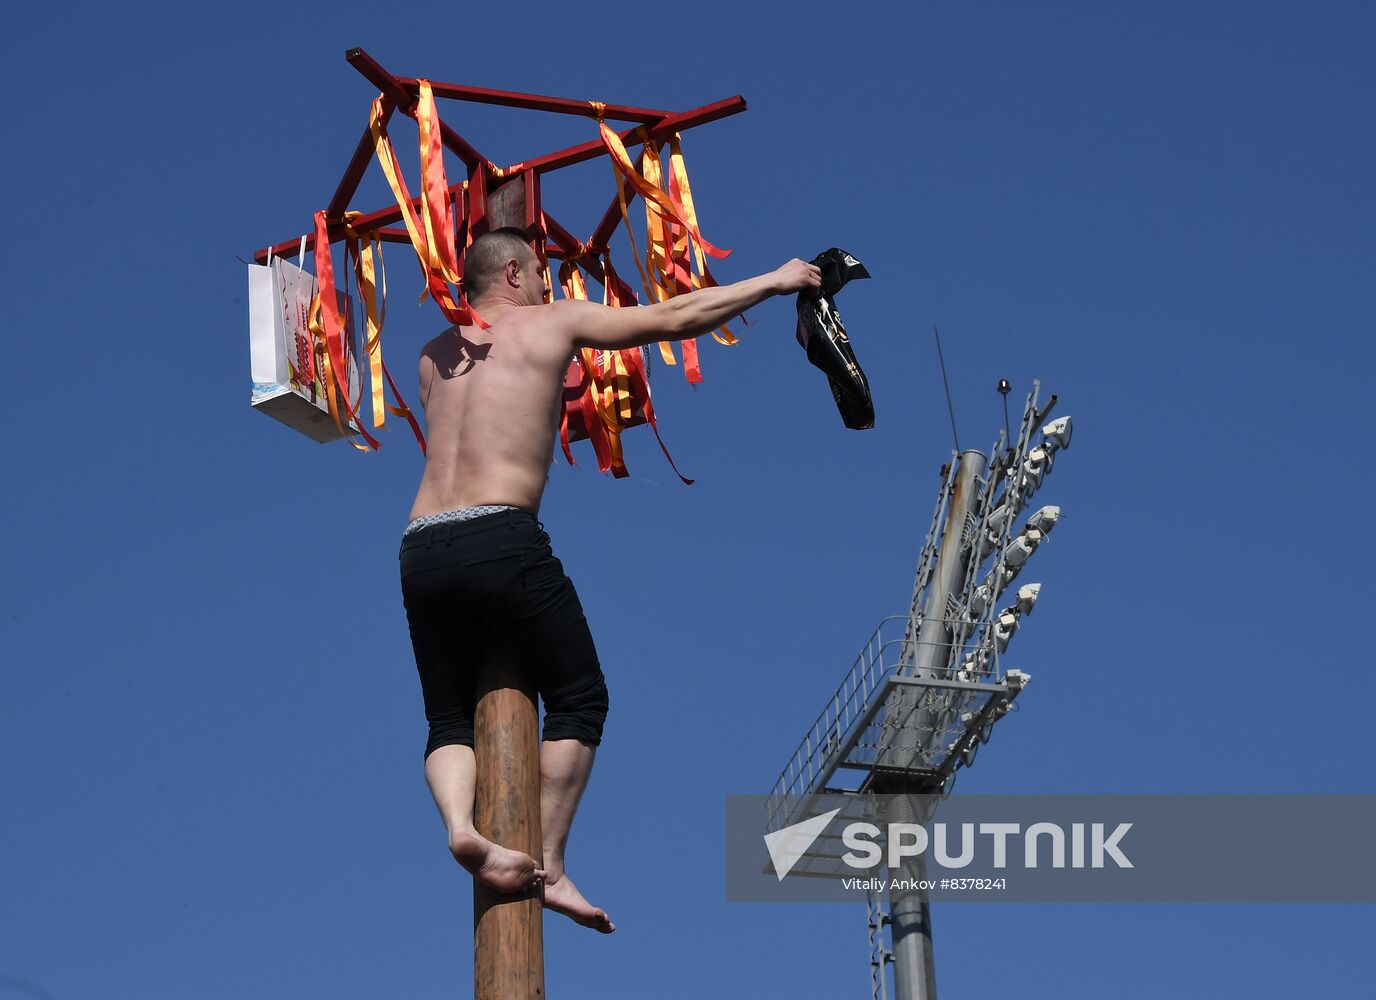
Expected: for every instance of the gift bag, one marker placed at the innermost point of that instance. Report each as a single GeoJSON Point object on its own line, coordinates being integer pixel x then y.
{"type": "Point", "coordinates": [287, 361]}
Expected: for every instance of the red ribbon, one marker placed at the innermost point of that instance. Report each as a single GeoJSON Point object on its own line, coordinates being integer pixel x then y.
{"type": "Point", "coordinates": [329, 318]}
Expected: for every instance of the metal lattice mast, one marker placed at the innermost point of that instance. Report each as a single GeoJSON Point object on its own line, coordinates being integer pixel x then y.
{"type": "Point", "coordinates": [880, 956]}
{"type": "Point", "coordinates": [918, 713]}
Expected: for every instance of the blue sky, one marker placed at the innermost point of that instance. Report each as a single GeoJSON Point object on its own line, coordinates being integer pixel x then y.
{"type": "Point", "coordinates": [210, 723]}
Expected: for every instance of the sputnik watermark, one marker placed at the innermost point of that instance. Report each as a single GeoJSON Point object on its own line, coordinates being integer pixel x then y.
{"type": "Point", "coordinates": [901, 841]}
{"type": "Point", "coordinates": [1053, 848]}
{"type": "Point", "coordinates": [910, 840]}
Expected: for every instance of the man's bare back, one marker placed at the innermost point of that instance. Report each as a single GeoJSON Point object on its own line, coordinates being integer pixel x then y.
{"type": "Point", "coordinates": [492, 397]}
{"type": "Point", "coordinates": [492, 400]}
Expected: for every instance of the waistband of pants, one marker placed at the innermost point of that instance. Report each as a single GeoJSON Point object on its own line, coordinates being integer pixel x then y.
{"type": "Point", "coordinates": [456, 514]}
{"type": "Point", "coordinates": [460, 526]}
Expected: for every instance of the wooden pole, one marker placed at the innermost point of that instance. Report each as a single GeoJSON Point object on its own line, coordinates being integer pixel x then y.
{"type": "Point", "coordinates": [508, 931]}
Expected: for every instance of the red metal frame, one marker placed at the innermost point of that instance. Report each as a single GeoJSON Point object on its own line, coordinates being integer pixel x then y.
{"type": "Point", "coordinates": [666, 126]}
{"type": "Point", "coordinates": [536, 102]}
{"type": "Point", "coordinates": [400, 93]}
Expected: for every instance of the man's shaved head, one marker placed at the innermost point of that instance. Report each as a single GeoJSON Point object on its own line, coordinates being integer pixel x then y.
{"type": "Point", "coordinates": [486, 260]}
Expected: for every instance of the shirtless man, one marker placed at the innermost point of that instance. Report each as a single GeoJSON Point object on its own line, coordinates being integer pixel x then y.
{"type": "Point", "coordinates": [476, 562]}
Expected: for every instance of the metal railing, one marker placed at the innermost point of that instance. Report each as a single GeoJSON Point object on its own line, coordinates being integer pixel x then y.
{"type": "Point", "coordinates": [873, 713]}
{"type": "Point", "coordinates": [843, 710]}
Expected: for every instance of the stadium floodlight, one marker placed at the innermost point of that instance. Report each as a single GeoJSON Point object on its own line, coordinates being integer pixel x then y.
{"type": "Point", "coordinates": [1056, 435]}
{"type": "Point", "coordinates": [998, 517]}
{"type": "Point", "coordinates": [974, 665]}
{"type": "Point", "coordinates": [1004, 627]}
{"type": "Point", "coordinates": [1010, 573]}
{"type": "Point", "coordinates": [1045, 519]}
{"type": "Point", "coordinates": [987, 542]}
{"type": "Point", "coordinates": [994, 525]}
{"type": "Point", "coordinates": [1027, 597]}
{"type": "Point", "coordinates": [1021, 547]}
{"type": "Point", "coordinates": [1034, 470]}
{"type": "Point", "coordinates": [980, 601]}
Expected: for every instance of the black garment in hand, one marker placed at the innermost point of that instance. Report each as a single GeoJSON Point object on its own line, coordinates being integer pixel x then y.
{"type": "Point", "coordinates": [822, 334]}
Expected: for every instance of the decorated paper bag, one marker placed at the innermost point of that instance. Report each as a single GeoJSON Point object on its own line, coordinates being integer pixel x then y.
{"type": "Point", "coordinates": [288, 363]}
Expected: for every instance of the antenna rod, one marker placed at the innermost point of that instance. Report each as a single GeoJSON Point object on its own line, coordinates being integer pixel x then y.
{"type": "Point", "coordinates": [1004, 388]}
{"type": "Point", "coordinates": [949, 406]}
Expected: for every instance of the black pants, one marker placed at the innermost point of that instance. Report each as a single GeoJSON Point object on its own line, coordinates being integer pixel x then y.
{"type": "Point", "coordinates": [494, 579]}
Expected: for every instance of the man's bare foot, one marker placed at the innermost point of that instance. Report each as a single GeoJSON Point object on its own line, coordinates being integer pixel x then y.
{"type": "Point", "coordinates": [507, 871]}
{"type": "Point", "coordinates": [562, 896]}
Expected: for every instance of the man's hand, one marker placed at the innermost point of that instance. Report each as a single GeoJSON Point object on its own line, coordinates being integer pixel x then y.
{"type": "Point", "coordinates": [798, 276]}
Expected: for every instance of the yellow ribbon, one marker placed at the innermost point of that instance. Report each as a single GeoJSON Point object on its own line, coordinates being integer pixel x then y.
{"type": "Point", "coordinates": [680, 173]}
{"type": "Point", "coordinates": [656, 252]}
{"type": "Point", "coordinates": [671, 216]}
{"type": "Point", "coordinates": [431, 237]}
{"type": "Point", "coordinates": [375, 312]}
{"type": "Point", "coordinates": [326, 370]}
{"type": "Point", "coordinates": [621, 160]}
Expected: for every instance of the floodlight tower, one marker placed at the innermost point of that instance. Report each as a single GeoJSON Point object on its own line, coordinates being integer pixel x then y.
{"type": "Point", "coordinates": [928, 686]}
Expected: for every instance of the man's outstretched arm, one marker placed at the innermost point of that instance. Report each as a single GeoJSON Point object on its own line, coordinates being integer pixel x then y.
{"type": "Point", "coordinates": [682, 317]}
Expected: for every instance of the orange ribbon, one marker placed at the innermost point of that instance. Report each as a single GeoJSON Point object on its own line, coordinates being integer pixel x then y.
{"type": "Point", "coordinates": [434, 196]}
{"type": "Point", "coordinates": [621, 160]}
{"type": "Point", "coordinates": [671, 229]}
{"type": "Point", "coordinates": [433, 238]}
